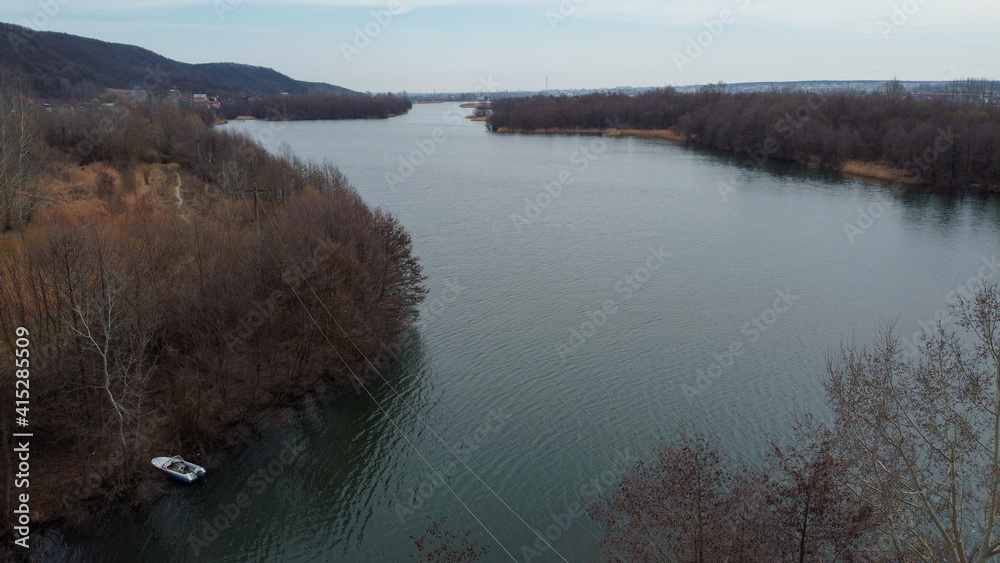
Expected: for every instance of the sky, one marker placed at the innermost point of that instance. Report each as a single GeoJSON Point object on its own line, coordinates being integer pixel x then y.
{"type": "Point", "coordinates": [498, 45]}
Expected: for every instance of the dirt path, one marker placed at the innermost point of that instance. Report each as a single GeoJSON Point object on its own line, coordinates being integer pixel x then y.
{"type": "Point", "coordinates": [177, 189]}
{"type": "Point", "coordinates": [180, 197]}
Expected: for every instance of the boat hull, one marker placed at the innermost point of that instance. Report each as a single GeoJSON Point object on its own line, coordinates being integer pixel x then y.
{"type": "Point", "coordinates": [179, 469]}
{"type": "Point", "coordinates": [177, 477]}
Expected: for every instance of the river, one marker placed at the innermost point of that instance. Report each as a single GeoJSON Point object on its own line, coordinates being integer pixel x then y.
{"type": "Point", "coordinates": [587, 297]}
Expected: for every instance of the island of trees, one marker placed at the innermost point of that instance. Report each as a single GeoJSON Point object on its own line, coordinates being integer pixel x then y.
{"type": "Point", "coordinates": [176, 281]}
{"type": "Point", "coordinates": [297, 107]}
{"type": "Point", "coordinates": [947, 144]}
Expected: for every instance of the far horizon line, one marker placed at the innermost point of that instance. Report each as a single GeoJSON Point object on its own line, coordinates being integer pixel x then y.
{"type": "Point", "coordinates": [701, 84]}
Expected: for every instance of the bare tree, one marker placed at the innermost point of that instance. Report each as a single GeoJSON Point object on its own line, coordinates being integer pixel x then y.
{"type": "Point", "coordinates": [108, 320]}
{"type": "Point", "coordinates": [686, 504]}
{"type": "Point", "coordinates": [924, 435]}
{"type": "Point", "coordinates": [689, 503]}
{"type": "Point", "coordinates": [976, 89]}
{"type": "Point", "coordinates": [817, 517]}
{"type": "Point", "coordinates": [237, 170]}
{"type": "Point", "coordinates": [21, 152]}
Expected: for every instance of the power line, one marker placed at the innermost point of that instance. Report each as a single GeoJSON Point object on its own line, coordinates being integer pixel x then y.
{"type": "Point", "coordinates": [425, 423]}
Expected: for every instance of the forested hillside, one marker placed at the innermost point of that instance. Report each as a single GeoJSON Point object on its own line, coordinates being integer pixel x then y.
{"type": "Point", "coordinates": [65, 66]}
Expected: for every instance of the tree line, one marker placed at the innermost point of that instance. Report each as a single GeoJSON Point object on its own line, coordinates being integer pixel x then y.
{"type": "Point", "coordinates": [166, 309]}
{"type": "Point", "coordinates": [297, 107]}
{"type": "Point", "coordinates": [941, 143]}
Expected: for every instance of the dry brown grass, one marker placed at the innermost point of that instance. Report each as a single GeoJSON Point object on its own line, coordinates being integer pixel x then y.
{"type": "Point", "coordinates": [74, 189]}
{"type": "Point", "coordinates": [875, 170]}
{"type": "Point", "coordinates": [551, 131]}
{"type": "Point", "coordinates": [666, 134]}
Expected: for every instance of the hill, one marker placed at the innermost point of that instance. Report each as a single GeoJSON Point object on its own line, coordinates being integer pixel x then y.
{"type": "Point", "coordinates": [60, 65]}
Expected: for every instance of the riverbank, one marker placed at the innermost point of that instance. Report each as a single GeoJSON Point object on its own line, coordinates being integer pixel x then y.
{"type": "Point", "coordinates": [202, 431]}
{"type": "Point", "coordinates": [223, 121]}
{"type": "Point", "coordinates": [319, 107]}
{"type": "Point", "coordinates": [944, 146]}
{"type": "Point", "coordinates": [868, 170]}
{"type": "Point", "coordinates": [85, 516]}
{"type": "Point", "coordinates": [212, 330]}
{"type": "Point", "coordinates": [665, 134]}
{"type": "Point", "coordinates": [878, 172]}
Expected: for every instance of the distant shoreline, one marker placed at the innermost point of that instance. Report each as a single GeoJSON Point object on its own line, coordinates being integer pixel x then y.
{"type": "Point", "coordinates": [666, 134]}
{"type": "Point", "coordinates": [223, 121]}
{"type": "Point", "coordinates": [869, 170]}
{"type": "Point", "coordinates": [890, 135]}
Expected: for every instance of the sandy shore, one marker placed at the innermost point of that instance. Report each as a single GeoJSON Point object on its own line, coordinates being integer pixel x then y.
{"type": "Point", "coordinates": [666, 134]}
{"type": "Point", "coordinates": [877, 171]}
{"type": "Point", "coordinates": [857, 168]}
{"type": "Point", "coordinates": [552, 131]}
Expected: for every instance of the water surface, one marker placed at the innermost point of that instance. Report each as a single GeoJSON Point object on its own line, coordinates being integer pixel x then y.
{"type": "Point", "coordinates": [558, 342]}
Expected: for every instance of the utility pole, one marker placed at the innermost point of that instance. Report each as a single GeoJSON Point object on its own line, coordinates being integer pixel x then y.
{"type": "Point", "coordinates": [260, 261]}
{"type": "Point", "coordinates": [256, 207]}
{"type": "Point", "coordinates": [256, 220]}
